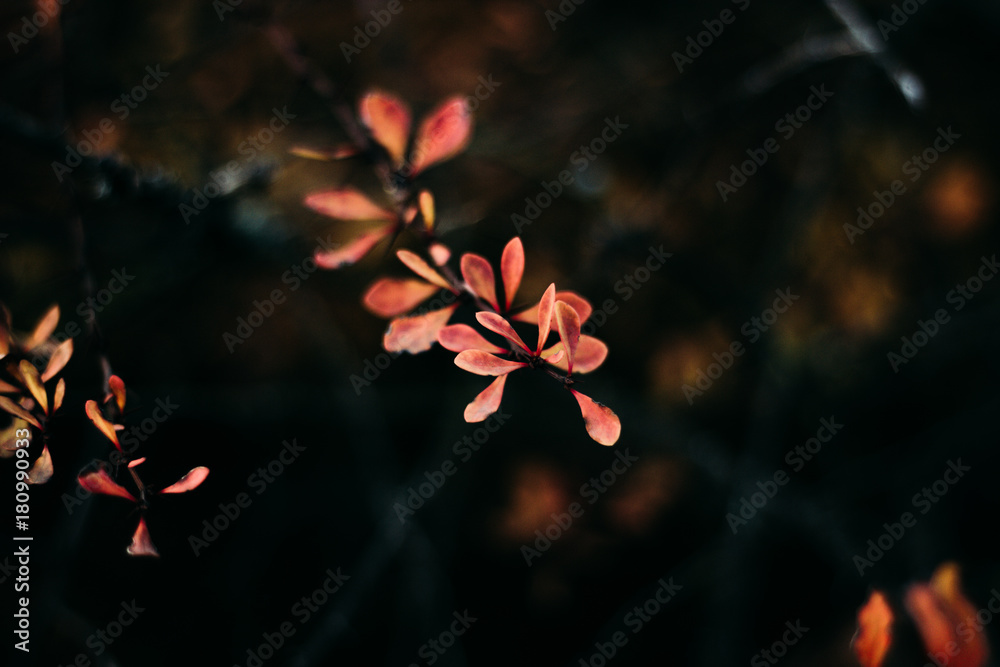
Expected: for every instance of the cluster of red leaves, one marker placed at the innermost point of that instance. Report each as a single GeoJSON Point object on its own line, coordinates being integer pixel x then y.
{"type": "Point", "coordinates": [944, 617]}
{"type": "Point", "coordinates": [101, 480]}
{"type": "Point", "coordinates": [445, 133]}
{"type": "Point", "coordinates": [23, 393]}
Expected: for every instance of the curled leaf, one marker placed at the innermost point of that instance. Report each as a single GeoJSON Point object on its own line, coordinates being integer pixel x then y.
{"type": "Point", "coordinates": [499, 325]}
{"type": "Point", "coordinates": [462, 337]}
{"type": "Point", "coordinates": [874, 634]}
{"type": "Point", "coordinates": [117, 387]}
{"type": "Point", "coordinates": [417, 333]}
{"type": "Point", "coordinates": [484, 363]}
{"type": "Point", "coordinates": [442, 135]}
{"type": "Point", "coordinates": [487, 402]}
{"type": "Point", "coordinates": [601, 422]}
{"type": "Point", "coordinates": [105, 427]}
{"type": "Point", "coordinates": [353, 250]}
{"type": "Point", "coordinates": [99, 481]}
{"type": "Point", "coordinates": [189, 481]}
{"type": "Point", "coordinates": [142, 544]}
{"type": "Point", "coordinates": [388, 119]}
{"type": "Point", "coordinates": [392, 297]}
{"type": "Point", "coordinates": [478, 275]}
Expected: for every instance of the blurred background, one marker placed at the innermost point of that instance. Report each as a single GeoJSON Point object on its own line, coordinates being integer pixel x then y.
{"type": "Point", "coordinates": [750, 134]}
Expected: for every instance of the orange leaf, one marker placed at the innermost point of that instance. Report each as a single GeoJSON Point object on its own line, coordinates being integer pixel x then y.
{"type": "Point", "coordinates": [484, 363]}
{"type": "Point", "coordinates": [512, 268]}
{"type": "Point", "coordinates": [499, 325]}
{"type": "Point", "coordinates": [417, 333]}
{"type": "Point", "coordinates": [347, 204]}
{"type": "Point", "coordinates": [938, 610]}
{"type": "Point", "coordinates": [601, 422]}
{"type": "Point", "coordinates": [59, 394]}
{"type": "Point", "coordinates": [325, 154]}
{"type": "Point", "coordinates": [15, 409]}
{"type": "Point", "coordinates": [478, 275]}
{"type": "Point", "coordinates": [106, 427]}
{"type": "Point", "coordinates": [142, 545]}
{"type": "Point", "coordinates": [417, 264]}
{"type": "Point", "coordinates": [189, 481]}
{"type": "Point", "coordinates": [874, 634]}
{"type": "Point", "coordinates": [487, 402]}
{"type": "Point", "coordinates": [442, 135]}
{"type": "Point", "coordinates": [462, 337]}
{"type": "Point", "coordinates": [568, 323]}
{"type": "Point", "coordinates": [388, 119]}
{"type": "Point", "coordinates": [41, 471]}
{"type": "Point", "coordinates": [99, 481]}
{"type": "Point", "coordinates": [392, 297]}
{"type": "Point", "coordinates": [58, 359]}
{"type": "Point", "coordinates": [353, 250]}
{"type": "Point", "coordinates": [426, 202]}
{"type": "Point", "coordinates": [43, 329]}
{"type": "Point", "coordinates": [117, 386]}
{"type": "Point", "coordinates": [34, 384]}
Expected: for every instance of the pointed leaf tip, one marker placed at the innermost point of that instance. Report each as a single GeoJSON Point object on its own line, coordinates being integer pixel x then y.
{"type": "Point", "coordinates": [189, 481]}
{"type": "Point", "coordinates": [484, 363]}
{"type": "Point", "coordinates": [99, 481]}
{"type": "Point", "coordinates": [512, 268]}
{"type": "Point", "coordinates": [601, 422]}
{"type": "Point", "coordinates": [388, 119]}
{"type": "Point", "coordinates": [142, 544]}
{"type": "Point", "coordinates": [487, 402]}
{"type": "Point", "coordinates": [478, 275]}
{"type": "Point", "coordinates": [442, 135]}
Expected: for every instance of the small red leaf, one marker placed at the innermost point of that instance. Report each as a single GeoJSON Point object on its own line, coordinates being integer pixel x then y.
{"type": "Point", "coordinates": [545, 306]}
{"type": "Point", "coordinates": [58, 359]}
{"type": "Point", "coordinates": [41, 471]}
{"type": "Point", "coordinates": [874, 634]}
{"type": "Point", "coordinates": [478, 275]}
{"type": "Point", "coordinates": [347, 204]}
{"type": "Point", "coordinates": [601, 422]}
{"type": "Point", "coordinates": [416, 263]}
{"type": "Point", "coordinates": [442, 135]}
{"type": "Point", "coordinates": [439, 253]}
{"type": "Point", "coordinates": [487, 402]}
{"type": "Point", "coordinates": [462, 337]}
{"type": "Point", "coordinates": [43, 329]}
{"type": "Point", "coordinates": [353, 250]}
{"type": "Point", "coordinates": [392, 297]}
{"type": "Point", "coordinates": [426, 201]}
{"type": "Point", "coordinates": [189, 481]}
{"type": "Point", "coordinates": [484, 363]}
{"type": "Point", "coordinates": [512, 268]}
{"type": "Point", "coordinates": [388, 119]}
{"type": "Point", "coordinates": [142, 545]}
{"type": "Point", "coordinates": [117, 387]}
{"type": "Point", "coordinates": [590, 354]}
{"type": "Point", "coordinates": [418, 333]}
{"type": "Point", "coordinates": [106, 427]}
{"type": "Point", "coordinates": [568, 323]}
{"type": "Point", "coordinates": [136, 462]}
{"type": "Point", "coordinates": [579, 304]}
{"type": "Point", "coordinates": [499, 325]}
{"type": "Point", "coordinates": [99, 481]}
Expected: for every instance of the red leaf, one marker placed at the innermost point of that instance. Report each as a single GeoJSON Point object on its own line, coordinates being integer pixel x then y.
{"type": "Point", "coordinates": [347, 204]}
{"type": "Point", "coordinates": [142, 545]}
{"type": "Point", "coordinates": [41, 471]}
{"type": "Point", "coordinates": [568, 323]}
{"type": "Point", "coordinates": [58, 359]}
{"type": "Point", "coordinates": [417, 264]}
{"type": "Point", "coordinates": [353, 250]}
{"type": "Point", "coordinates": [874, 634]}
{"type": "Point", "coordinates": [106, 427]}
{"type": "Point", "coordinates": [99, 481]}
{"type": "Point", "coordinates": [590, 354]}
{"type": "Point", "coordinates": [43, 329]}
{"type": "Point", "coordinates": [462, 337]}
{"type": "Point", "coordinates": [117, 386]}
{"type": "Point", "coordinates": [499, 325]}
{"type": "Point", "coordinates": [189, 481]}
{"type": "Point", "coordinates": [484, 363]}
{"type": "Point", "coordinates": [545, 306]}
{"type": "Point", "coordinates": [416, 334]}
{"type": "Point", "coordinates": [601, 422]}
{"type": "Point", "coordinates": [579, 304]}
{"type": "Point", "coordinates": [939, 609]}
{"type": "Point", "coordinates": [442, 135]}
{"type": "Point", "coordinates": [388, 119]}
{"type": "Point", "coordinates": [487, 402]}
{"type": "Point", "coordinates": [136, 462]}
{"type": "Point", "coordinates": [478, 275]}
{"type": "Point", "coordinates": [512, 268]}
{"type": "Point", "coordinates": [392, 297]}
